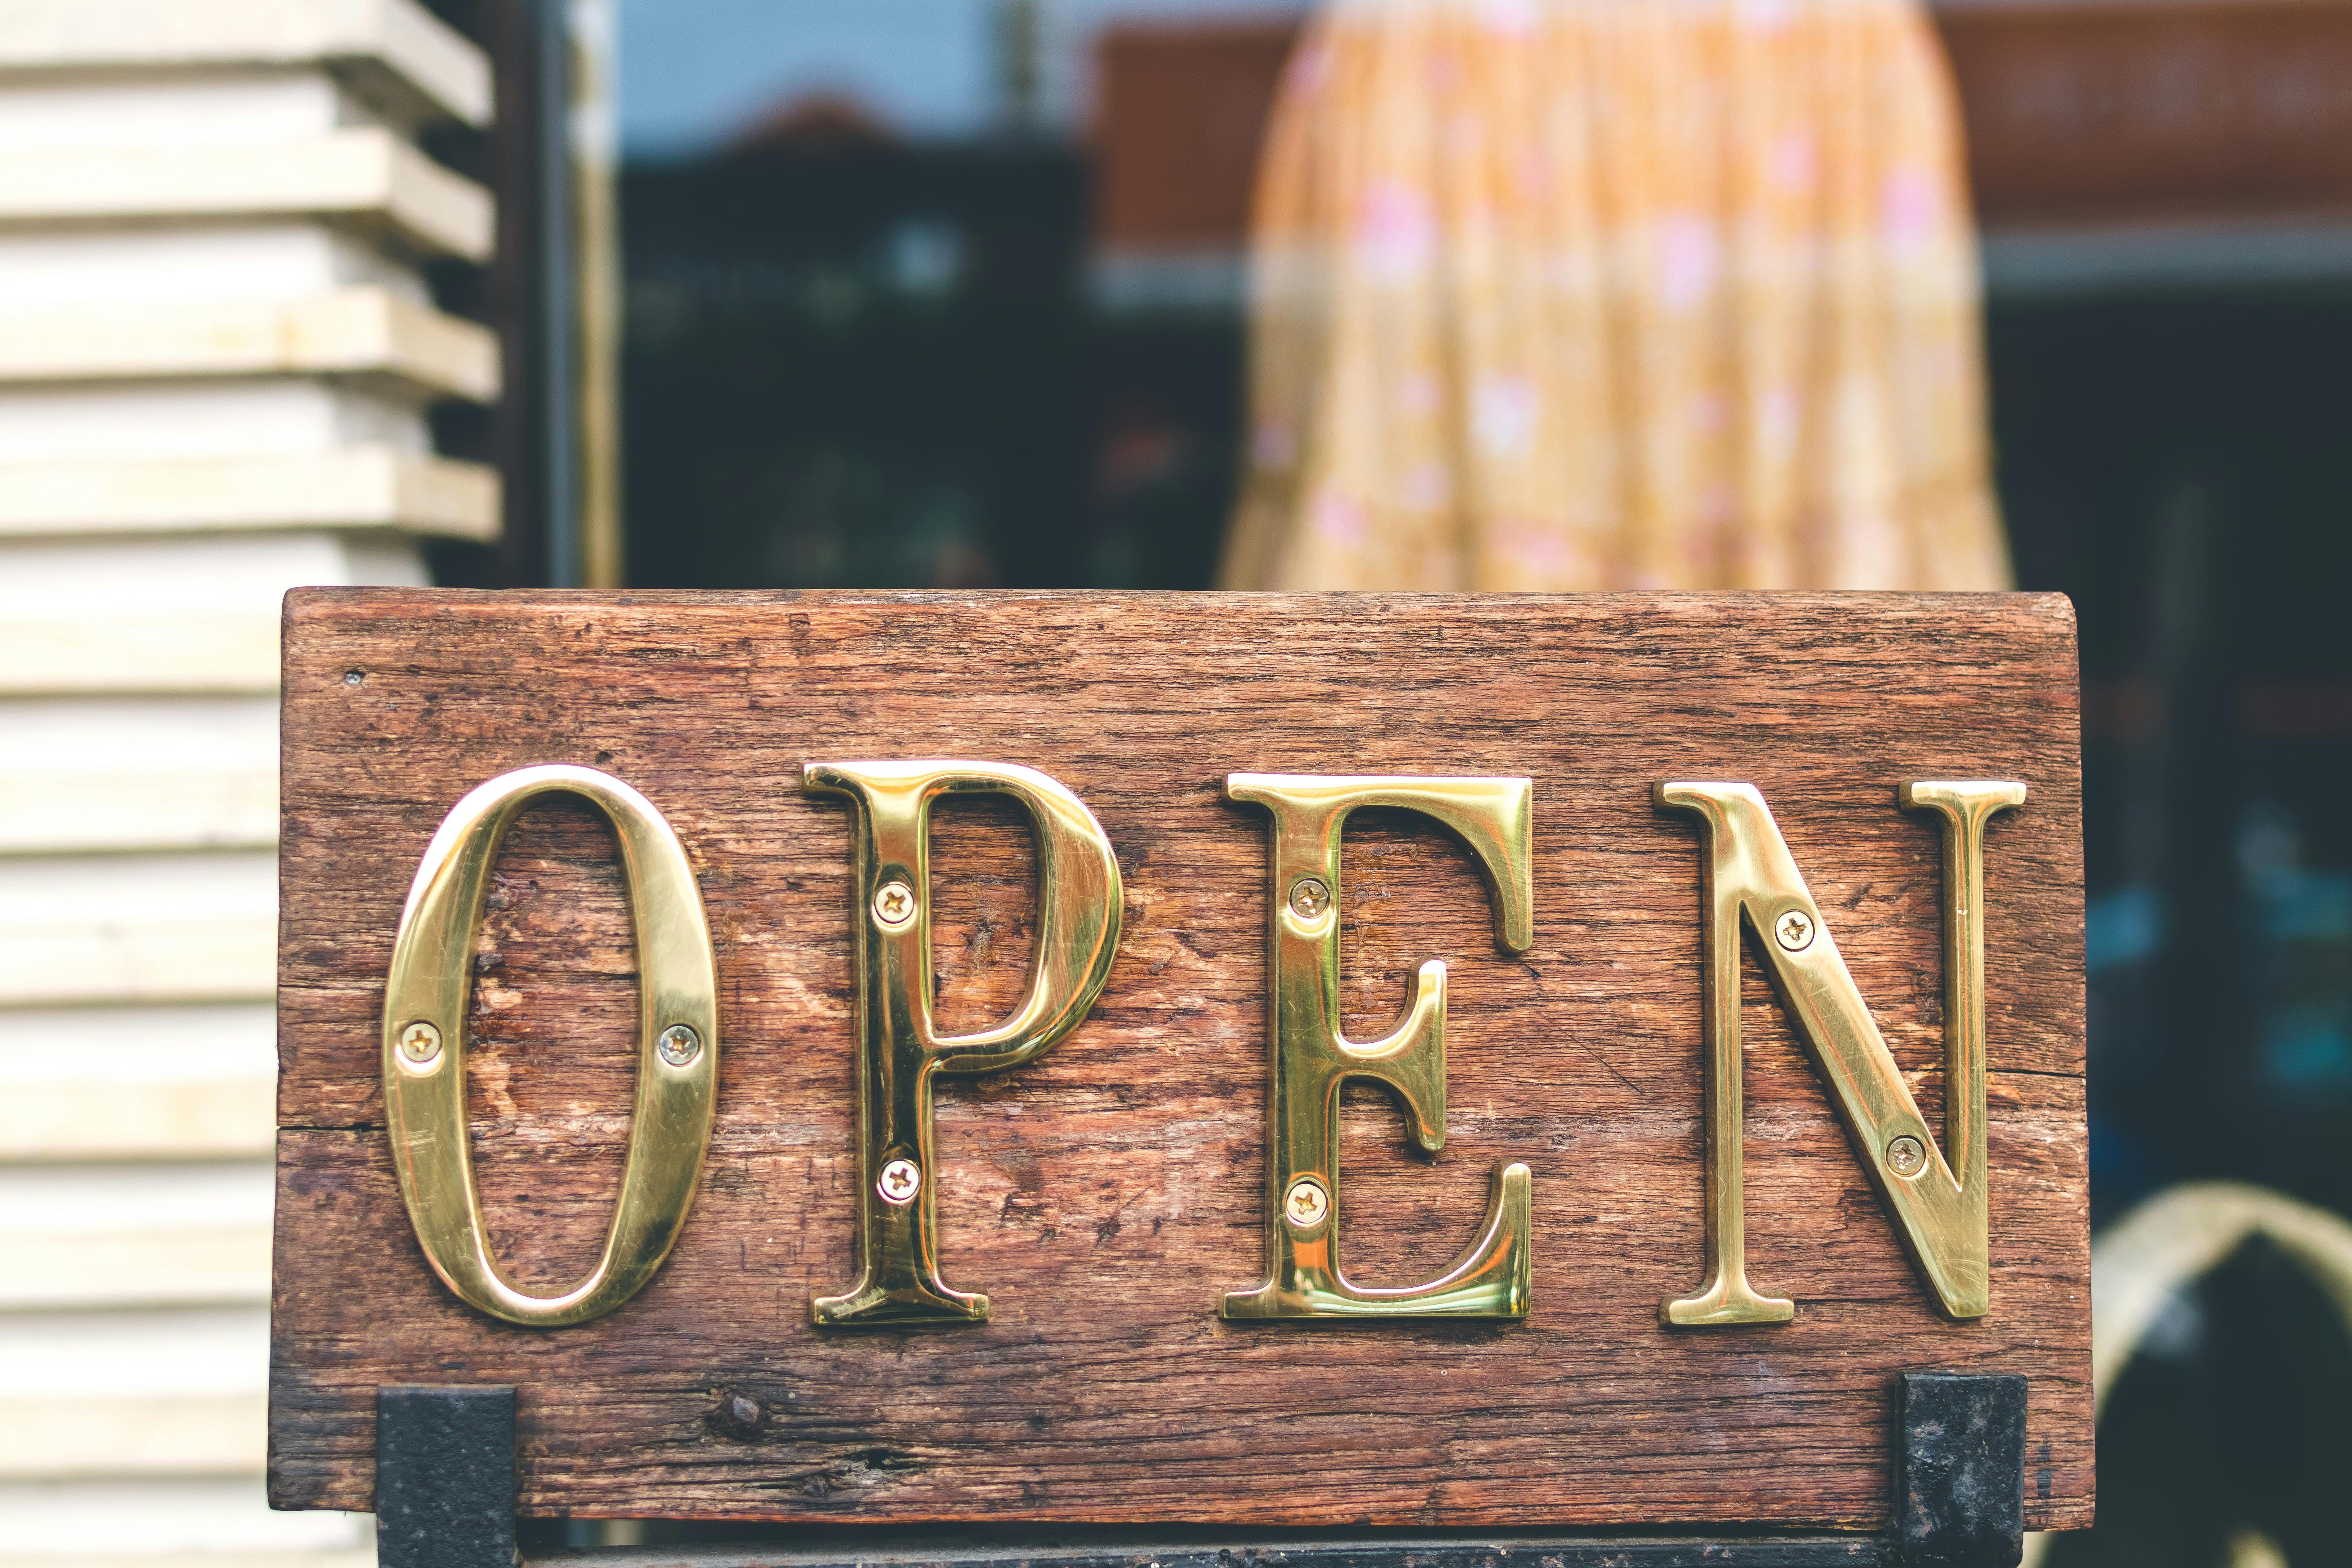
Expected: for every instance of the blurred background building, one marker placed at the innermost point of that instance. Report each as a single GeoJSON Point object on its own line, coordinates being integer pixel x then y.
{"type": "Point", "coordinates": [786, 293]}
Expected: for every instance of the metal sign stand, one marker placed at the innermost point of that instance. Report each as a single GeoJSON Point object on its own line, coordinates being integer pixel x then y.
{"type": "Point", "coordinates": [445, 1485]}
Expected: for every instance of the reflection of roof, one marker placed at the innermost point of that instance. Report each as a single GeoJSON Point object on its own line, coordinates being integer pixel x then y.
{"type": "Point", "coordinates": [821, 122]}
{"type": "Point", "coordinates": [2079, 113]}
{"type": "Point", "coordinates": [1179, 109]}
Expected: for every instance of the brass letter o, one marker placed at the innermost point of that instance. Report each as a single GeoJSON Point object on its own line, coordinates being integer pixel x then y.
{"type": "Point", "coordinates": [425, 1047]}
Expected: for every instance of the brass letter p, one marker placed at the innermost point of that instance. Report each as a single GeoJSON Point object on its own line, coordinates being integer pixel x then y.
{"type": "Point", "coordinates": [900, 1051]}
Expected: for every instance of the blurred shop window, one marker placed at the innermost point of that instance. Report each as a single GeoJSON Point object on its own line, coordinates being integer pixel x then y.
{"type": "Point", "coordinates": [953, 292]}
{"type": "Point", "coordinates": [2299, 960]}
{"type": "Point", "coordinates": [1083, 426]}
{"type": "Point", "coordinates": [935, 293]}
{"type": "Point", "coordinates": [855, 359]}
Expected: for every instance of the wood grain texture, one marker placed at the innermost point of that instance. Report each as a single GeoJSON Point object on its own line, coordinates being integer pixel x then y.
{"type": "Point", "coordinates": [1106, 1195]}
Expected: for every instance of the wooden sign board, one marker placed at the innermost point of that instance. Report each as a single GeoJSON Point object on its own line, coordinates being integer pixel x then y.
{"type": "Point", "coordinates": [1108, 1195]}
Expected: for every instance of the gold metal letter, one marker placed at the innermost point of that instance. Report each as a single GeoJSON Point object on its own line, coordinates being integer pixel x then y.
{"type": "Point", "coordinates": [425, 1047]}
{"type": "Point", "coordinates": [1308, 1058]}
{"type": "Point", "coordinates": [1942, 1215]}
{"type": "Point", "coordinates": [899, 1282]}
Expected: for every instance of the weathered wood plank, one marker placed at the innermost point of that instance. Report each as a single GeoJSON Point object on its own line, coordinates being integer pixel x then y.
{"type": "Point", "coordinates": [1105, 1195]}
{"type": "Point", "coordinates": [1194, 1550]}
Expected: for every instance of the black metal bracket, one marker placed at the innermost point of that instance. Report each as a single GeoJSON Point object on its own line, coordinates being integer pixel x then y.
{"type": "Point", "coordinates": [445, 1487]}
{"type": "Point", "coordinates": [1959, 1469]}
{"type": "Point", "coordinates": [445, 1477]}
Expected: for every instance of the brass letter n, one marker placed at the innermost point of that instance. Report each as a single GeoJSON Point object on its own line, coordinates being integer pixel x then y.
{"type": "Point", "coordinates": [1940, 1212]}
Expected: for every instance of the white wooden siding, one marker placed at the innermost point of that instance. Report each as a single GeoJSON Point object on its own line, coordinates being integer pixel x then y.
{"type": "Point", "coordinates": [148, 774]}
{"type": "Point", "coordinates": [217, 351]}
{"type": "Point", "coordinates": [191, 1082]}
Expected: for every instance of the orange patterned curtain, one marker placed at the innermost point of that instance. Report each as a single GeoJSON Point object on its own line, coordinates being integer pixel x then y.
{"type": "Point", "coordinates": [1593, 294]}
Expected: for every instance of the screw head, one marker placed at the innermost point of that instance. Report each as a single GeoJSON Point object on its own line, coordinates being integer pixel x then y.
{"type": "Point", "coordinates": [1309, 897]}
{"type": "Point", "coordinates": [1795, 930]}
{"type": "Point", "coordinates": [893, 905]}
{"type": "Point", "coordinates": [901, 1179]}
{"type": "Point", "coordinates": [420, 1042]}
{"type": "Point", "coordinates": [1906, 1156]}
{"type": "Point", "coordinates": [679, 1045]}
{"type": "Point", "coordinates": [1307, 1204]}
